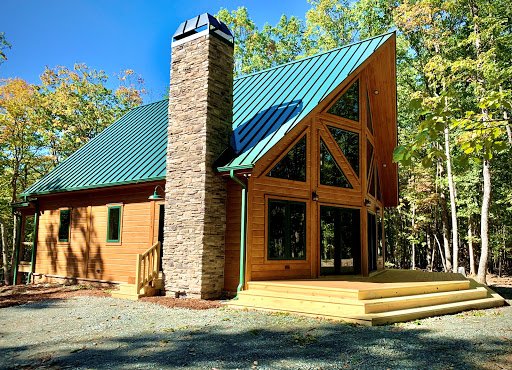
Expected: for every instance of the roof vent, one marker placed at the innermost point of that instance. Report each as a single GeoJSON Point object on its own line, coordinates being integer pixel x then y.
{"type": "Point", "coordinates": [201, 25]}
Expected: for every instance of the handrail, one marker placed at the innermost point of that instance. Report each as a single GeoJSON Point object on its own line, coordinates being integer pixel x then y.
{"type": "Point", "coordinates": [148, 266]}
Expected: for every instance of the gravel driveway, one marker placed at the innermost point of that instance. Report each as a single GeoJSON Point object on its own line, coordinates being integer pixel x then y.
{"type": "Point", "coordinates": [91, 332]}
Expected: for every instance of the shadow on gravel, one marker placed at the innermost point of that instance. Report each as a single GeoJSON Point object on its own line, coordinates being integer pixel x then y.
{"type": "Point", "coordinates": [326, 345]}
{"type": "Point", "coordinates": [505, 292]}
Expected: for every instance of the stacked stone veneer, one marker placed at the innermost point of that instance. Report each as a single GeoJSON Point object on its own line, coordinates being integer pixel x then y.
{"type": "Point", "coordinates": [200, 116]}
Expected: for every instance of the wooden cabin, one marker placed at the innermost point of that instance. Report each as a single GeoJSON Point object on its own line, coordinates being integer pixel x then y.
{"type": "Point", "coordinates": [279, 175]}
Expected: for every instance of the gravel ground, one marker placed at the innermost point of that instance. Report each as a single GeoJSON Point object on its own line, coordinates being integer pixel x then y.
{"type": "Point", "coordinates": [93, 332]}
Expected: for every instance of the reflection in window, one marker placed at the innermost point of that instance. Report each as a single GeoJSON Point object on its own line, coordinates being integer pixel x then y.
{"type": "Point", "coordinates": [65, 218]}
{"type": "Point", "coordinates": [330, 173]}
{"type": "Point", "coordinates": [293, 165]}
{"type": "Point", "coordinates": [348, 105]}
{"type": "Point", "coordinates": [380, 241]}
{"type": "Point", "coordinates": [286, 229]}
{"type": "Point", "coordinates": [348, 142]}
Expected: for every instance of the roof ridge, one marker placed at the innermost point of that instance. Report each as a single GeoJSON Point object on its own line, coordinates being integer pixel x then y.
{"type": "Point", "coordinates": [147, 104]}
{"type": "Point", "coordinates": [312, 56]}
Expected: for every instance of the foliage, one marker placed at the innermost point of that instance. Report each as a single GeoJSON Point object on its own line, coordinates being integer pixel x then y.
{"type": "Point", "coordinates": [3, 45]}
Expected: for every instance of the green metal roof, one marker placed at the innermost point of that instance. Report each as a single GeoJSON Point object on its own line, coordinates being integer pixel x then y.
{"type": "Point", "coordinates": [269, 103]}
{"type": "Point", "coordinates": [130, 150]}
{"type": "Point", "coordinates": [266, 106]}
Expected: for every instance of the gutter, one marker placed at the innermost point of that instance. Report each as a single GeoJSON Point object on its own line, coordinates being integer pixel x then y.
{"type": "Point", "coordinates": [243, 222]}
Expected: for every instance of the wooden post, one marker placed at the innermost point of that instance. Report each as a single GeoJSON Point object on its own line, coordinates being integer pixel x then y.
{"type": "Point", "coordinates": [138, 273]}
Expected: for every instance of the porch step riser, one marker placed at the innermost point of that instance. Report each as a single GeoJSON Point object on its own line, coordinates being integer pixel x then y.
{"type": "Point", "coordinates": [319, 303]}
{"type": "Point", "coordinates": [393, 316]}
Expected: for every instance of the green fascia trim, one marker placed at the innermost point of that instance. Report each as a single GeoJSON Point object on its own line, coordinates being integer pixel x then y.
{"type": "Point", "coordinates": [229, 168]}
{"type": "Point", "coordinates": [94, 186]}
{"type": "Point", "coordinates": [20, 204]}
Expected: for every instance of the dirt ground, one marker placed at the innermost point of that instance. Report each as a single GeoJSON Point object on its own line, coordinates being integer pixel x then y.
{"type": "Point", "coordinates": [21, 294]}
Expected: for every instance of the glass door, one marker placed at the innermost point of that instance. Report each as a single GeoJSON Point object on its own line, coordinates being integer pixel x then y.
{"type": "Point", "coordinates": [340, 250]}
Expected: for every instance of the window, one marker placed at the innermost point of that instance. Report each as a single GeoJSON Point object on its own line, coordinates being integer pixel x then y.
{"type": "Point", "coordinates": [65, 220]}
{"type": "Point", "coordinates": [348, 142]}
{"type": "Point", "coordinates": [330, 173]}
{"type": "Point", "coordinates": [286, 230]}
{"type": "Point", "coordinates": [369, 122]}
{"type": "Point", "coordinates": [114, 224]}
{"type": "Point", "coordinates": [369, 155]}
{"type": "Point", "coordinates": [348, 105]}
{"type": "Point", "coordinates": [293, 165]}
{"type": "Point", "coordinates": [380, 241]}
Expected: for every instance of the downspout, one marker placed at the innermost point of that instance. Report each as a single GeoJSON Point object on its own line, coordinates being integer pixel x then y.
{"type": "Point", "coordinates": [243, 221]}
{"type": "Point", "coordinates": [18, 243]}
{"type": "Point", "coordinates": [34, 243]}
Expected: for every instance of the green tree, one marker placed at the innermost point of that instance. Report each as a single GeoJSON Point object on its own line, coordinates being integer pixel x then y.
{"type": "Point", "coordinates": [3, 45]}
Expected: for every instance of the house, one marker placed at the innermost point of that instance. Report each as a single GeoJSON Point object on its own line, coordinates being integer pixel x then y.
{"type": "Point", "coordinates": [278, 175]}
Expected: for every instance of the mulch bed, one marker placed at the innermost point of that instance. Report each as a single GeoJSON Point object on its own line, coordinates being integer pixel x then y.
{"type": "Point", "coordinates": [14, 295]}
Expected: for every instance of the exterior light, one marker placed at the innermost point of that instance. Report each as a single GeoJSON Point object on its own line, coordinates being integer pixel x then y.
{"type": "Point", "coordinates": [155, 196]}
{"type": "Point", "coordinates": [367, 202]}
{"type": "Point", "coordinates": [314, 196]}
{"type": "Point", "coordinates": [376, 92]}
{"type": "Point", "coordinates": [384, 165]}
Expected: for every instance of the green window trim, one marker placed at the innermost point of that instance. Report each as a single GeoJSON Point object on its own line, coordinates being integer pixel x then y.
{"type": "Point", "coordinates": [64, 225]}
{"type": "Point", "coordinates": [113, 232]}
{"type": "Point", "coordinates": [287, 230]}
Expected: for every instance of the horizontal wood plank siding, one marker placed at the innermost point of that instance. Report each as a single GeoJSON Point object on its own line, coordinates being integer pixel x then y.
{"type": "Point", "coordinates": [88, 255]}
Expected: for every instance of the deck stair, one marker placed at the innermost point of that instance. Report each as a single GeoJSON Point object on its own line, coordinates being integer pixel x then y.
{"type": "Point", "coordinates": [148, 280]}
{"type": "Point", "coordinates": [368, 303]}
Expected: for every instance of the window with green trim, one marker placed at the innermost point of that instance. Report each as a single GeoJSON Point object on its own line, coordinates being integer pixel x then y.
{"type": "Point", "coordinates": [286, 230]}
{"type": "Point", "coordinates": [348, 142]}
{"type": "Point", "coordinates": [293, 165]}
{"type": "Point", "coordinates": [65, 221]}
{"type": "Point", "coordinates": [330, 172]}
{"type": "Point", "coordinates": [114, 224]}
{"type": "Point", "coordinates": [348, 105]}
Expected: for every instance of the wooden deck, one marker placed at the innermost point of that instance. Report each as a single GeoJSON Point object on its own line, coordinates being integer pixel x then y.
{"type": "Point", "coordinates": [385, 297]}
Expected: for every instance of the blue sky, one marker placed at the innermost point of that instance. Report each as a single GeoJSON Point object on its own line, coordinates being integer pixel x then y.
{"type": "Point", "coordinates": [111, 35]}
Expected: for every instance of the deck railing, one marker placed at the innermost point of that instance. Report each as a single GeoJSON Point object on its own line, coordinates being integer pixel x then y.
{"type": "Point", "coordinates": [148, 266]}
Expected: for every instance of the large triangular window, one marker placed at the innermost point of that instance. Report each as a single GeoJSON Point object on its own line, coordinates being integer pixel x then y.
{"type": "Point", "coordinates": [369, 155]}
{"type": "Point", "coordinates": [348, 142]}
{"type": "Point", "coordinates": [330, 172]}
{"type": "Point", "coordinates": [293, 165]}
{"type": "Point", "coordinates": [348, 105]}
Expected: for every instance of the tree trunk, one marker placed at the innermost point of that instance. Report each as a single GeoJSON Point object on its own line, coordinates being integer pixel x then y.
{"type": "Point", "coordinates": [413, 254]}
{"type": "Point", "coordinates": [484, 223]}
{"type": "Point", "coordinates": [441, 253]}
{"type": "Point", "coordinates": [472, 269]}
{"type": "Point", "coordinates": [5, 258]}
{"type": "Point", "coordinates": [14, 243]}
{"type": "Point", "coordinates": [446, 234]}
{"type": "Point", "coordinates": [432, 252]}
{"type": "Point", "coordinates": [451, 186]}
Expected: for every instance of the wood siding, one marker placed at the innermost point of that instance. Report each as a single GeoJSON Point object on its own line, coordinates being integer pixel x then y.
{"type": "Point", "coordinates": [262, 187]}
{"type": "Point", "coordinates": [233, 224]}
{"type": "Point", "coordinates": [87, 254]}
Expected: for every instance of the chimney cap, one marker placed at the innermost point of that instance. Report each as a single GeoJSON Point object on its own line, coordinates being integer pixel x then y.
{"type": "Point", "coordinates": [198, 26]}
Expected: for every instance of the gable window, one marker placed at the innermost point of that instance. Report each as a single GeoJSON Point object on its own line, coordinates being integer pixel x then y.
{"type": "Point", "coordinates": [293, 165]}
{"type": "Point", "coordinates": [348, 105]}
{"type": "Point", "coordinates": [286, 230]}
{"type": "Point", "coordinates": [369, 122]}
{"type": "Point", "coordinates": [330, 172]}
{"type": "Point", "coordinates": [65, 221]}
{"type": "Point", "coordinates": [114, 224]}
{"type": "Point", "coordinates": [348, 142]}
{"type": "Point", "coordinates": [369, 155]}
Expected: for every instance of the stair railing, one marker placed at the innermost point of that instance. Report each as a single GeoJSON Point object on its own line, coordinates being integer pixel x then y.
{"type": "Point", "coordinates": [148, 266]}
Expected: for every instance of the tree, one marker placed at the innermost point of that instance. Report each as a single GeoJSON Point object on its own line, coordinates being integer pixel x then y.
{"type": "Point", "coordinates": [3, 45]}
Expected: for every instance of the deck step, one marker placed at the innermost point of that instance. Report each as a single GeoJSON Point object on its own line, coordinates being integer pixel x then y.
{"type": "Point", "coordinates": [391, 316]}
{"type": "Point", "coordinates": [127, 291]}
{"type": "Point", "coordinates": [334, 305]}
{"type": "Point", "coordinates": [380, 291]}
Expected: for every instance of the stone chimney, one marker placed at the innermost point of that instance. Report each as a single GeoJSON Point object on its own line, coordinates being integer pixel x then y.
{"type": "Point", "coordinates": [200, 116]}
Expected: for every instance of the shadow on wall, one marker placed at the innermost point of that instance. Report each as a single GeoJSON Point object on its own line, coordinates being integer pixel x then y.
{"type": "Point", "coordinates": [265, 123]}
{"type": "Point", "coordinates": [73, 259]}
